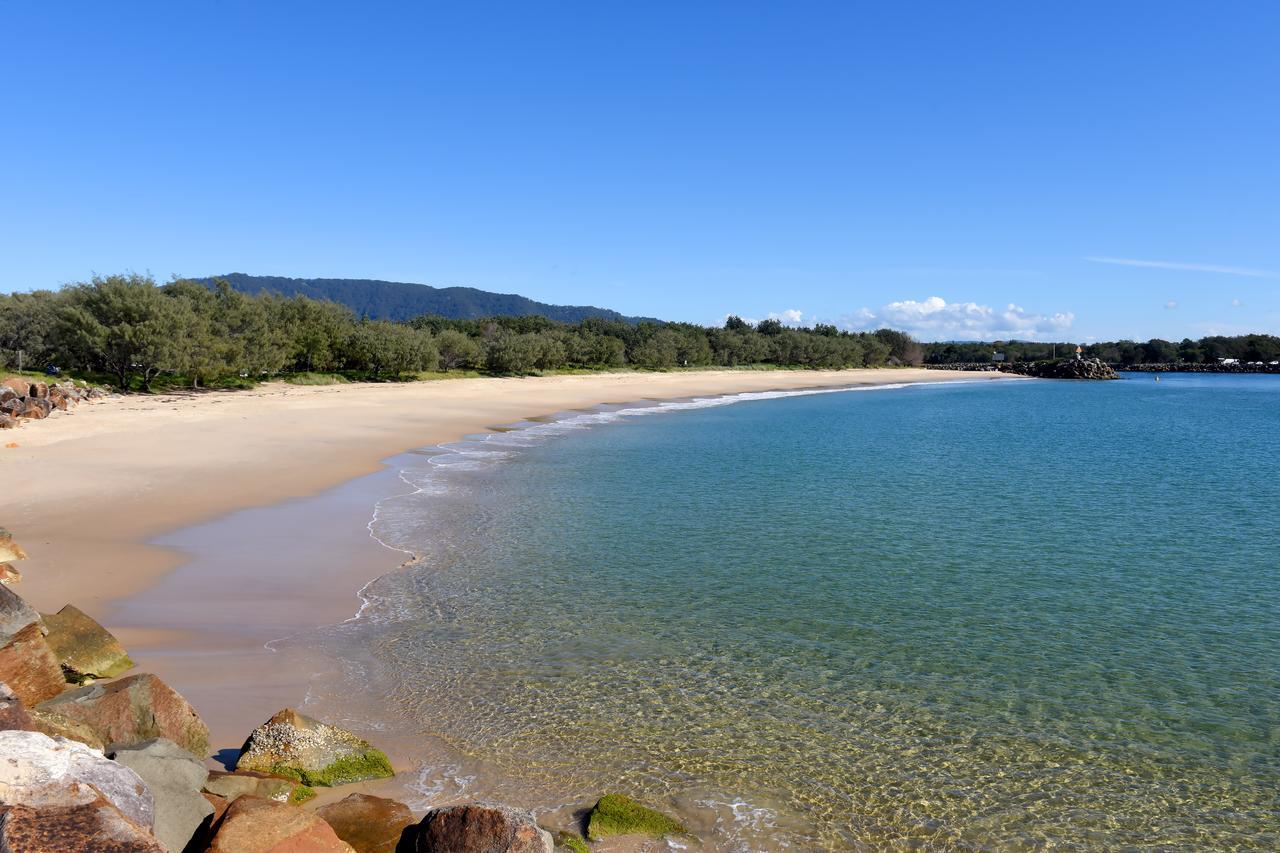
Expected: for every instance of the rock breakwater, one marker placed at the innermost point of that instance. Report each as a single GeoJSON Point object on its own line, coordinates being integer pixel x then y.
{"type": "Point", "coordinates": [120, 764]}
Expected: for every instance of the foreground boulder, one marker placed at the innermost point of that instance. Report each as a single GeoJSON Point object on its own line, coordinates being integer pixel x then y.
{"type": "Point", "coordinates": [37, 770]}
{"type": "Point", "coordinates": [477, 828]}
{"type": "Point", "coordinates": [81, 819]}
{"type": "Point", "coordinates": [26, 663]}
{"type": "Point", "coordinates": [368, 824]}
{"type": "Point", "coordinates": [175, 777]}
{"type": "Point", "coordinates": [132, 710]}
{"type": "Point", "coordinates": [255, 825]}
{"type": "Point", "coordinates": [315, 753]}
{"type": "Point", "coordinates": [84, 648]}
{"type": "Point", "coordinates": [618, 814]}
{"type": "Point", "coordinates": [246, 783]}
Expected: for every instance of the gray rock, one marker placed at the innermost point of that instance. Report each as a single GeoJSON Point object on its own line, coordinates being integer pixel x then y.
{"type": "Point", "coordinates": [175, 778]}
{"type": "Point", "coordinates": [38, 770]}
{"type": "Point", "coordinates": [15, 614]}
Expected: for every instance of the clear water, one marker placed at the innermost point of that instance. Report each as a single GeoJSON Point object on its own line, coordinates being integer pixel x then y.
{"type": "Point", "coordinates": [991, 616]}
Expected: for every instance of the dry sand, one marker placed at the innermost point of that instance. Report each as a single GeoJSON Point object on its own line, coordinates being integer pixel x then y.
{"type": "Point", "coordinates": [89, 493]}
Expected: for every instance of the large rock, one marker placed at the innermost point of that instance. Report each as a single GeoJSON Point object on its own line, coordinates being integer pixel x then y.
{"type": "Point", "coordinates": [175, 778]}
{"type": "Point", "coordinates": [82, 820]}
{"type": "Point", "coordinates": [83, 647]}
{"type": "Point", "coordinates": [8, 421]}
{"type": "Point", "coordinates": [9, 574]}
{"type": "Point", "coordinates": [28, 666]}
{"type": "Point", "coordinates": [477, 828]}
{"type": "Point", "coordinates": [13, 715]}
{"type": "Point", "coordinates": [132, 710]}
{"type": "Point", "coordinates": [36, 768]}
{"type": "Point", "coordinates": [242, 783]}
{"type": "Point", "coordinates": [369, 824]}
{"type": "Point", "coordinates": [36, 409]}
{"type": "Point", "coordinates": [255, 825]}
{"type": "Point", "coordinates": [618, 814]}
{"type": "Point", "coordinates": [315, 753]}
{"type": "Point", "coordinates": [19, 386]}
{"type": "Point", "coordinates": [56, 725]}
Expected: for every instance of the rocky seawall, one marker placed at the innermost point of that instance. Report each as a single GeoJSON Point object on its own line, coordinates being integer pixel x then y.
{"type": "Point", "coordinates": [21, 399]}
{"type": "Point", "coordinates": [98, 760]}
{"type": "Point", "coordinates": [1086, 368]}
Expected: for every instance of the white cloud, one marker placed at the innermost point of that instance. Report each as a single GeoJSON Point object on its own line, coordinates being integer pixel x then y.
{"type": "Point", "coordinates": [1172, 303]}
{"type": "Point", "coordinates": [936, 319]}
{"type": "Point", "coordinates": [1178, 265]}
{"type": "Point", "coordinates": [1236, 303]}
{"type": "Point", "coordinates": [790, 317]}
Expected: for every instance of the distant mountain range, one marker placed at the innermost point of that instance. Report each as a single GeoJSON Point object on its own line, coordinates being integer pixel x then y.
{"type": "Point", "coordinates": [398, 300]}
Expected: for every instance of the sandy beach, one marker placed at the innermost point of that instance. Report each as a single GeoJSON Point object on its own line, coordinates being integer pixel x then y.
{"type": "Point", "coordinates": [264, 545]}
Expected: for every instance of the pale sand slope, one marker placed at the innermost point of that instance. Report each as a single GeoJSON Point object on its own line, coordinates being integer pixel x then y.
{"type": "Point", "coordinates": [84, 491]}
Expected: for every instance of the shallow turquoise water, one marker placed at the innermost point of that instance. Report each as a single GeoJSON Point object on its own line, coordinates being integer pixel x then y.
{"type": "Point", "coordinates": [989, 615]}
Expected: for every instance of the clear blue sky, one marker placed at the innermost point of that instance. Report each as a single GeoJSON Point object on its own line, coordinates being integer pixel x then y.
{"type": "Point", "coordinates": [922, 164]}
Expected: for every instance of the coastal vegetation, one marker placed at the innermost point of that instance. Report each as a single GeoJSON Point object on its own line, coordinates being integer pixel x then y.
{"type": "Point", "coordinates": [139, 335]}
{"type": "Point", "coordinates": [1212, 349]}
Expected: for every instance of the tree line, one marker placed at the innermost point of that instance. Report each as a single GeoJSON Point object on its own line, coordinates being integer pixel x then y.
{"type": "Point", "coordinates": [1206, 350]}
{"type": "Point", "coordinates": [138, 334]}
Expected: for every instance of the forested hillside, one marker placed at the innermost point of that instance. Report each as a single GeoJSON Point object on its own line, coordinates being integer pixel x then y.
{"type": "Point", "coordinates": [395, 300]}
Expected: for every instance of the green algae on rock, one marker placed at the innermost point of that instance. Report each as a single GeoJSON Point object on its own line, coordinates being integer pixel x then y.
{"type": "Point", "coordinates": [618, 814]}
{"type": "Point", "coordinates": [299, 747]}
{"type": "Point", "coordinates": [571, 841]}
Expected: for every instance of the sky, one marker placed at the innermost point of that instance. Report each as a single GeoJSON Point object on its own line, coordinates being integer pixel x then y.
{"type": "Point", "coordinates": [962, 170]}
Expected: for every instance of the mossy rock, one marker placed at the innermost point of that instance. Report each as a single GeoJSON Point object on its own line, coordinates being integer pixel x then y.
{"type": "Point", "coordinates": [371, 764]}
{"type": "Point", "coordinates": [618, 814]}
{"type": "Point", "coordinates": [306, 750]}
{"type": "Point", "coordinates": [571, 841]}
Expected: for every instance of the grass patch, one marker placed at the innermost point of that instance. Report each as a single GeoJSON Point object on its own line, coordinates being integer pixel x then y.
{"type": "Point", "coordinates": [618, 814]}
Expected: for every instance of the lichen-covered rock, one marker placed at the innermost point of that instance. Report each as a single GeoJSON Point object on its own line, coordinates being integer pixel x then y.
{"type": "Point", "coordinates": [19, 386]}
{"type": "Point", "coordinates": [175, 777]}
{"type": "Point", "coordinates": [28, 666]}
{"type": "Point", "coordinates": [255, 825]}
{"type": "Point", "coordinates": [84, 648]}
{"type": "Point", "coordinates": [477, 828]}
{"type": "Point", "coordinates": [36, 769]}
{"type": "Point", "coordinates": [315, 753]}
{"type": "Point", "coordinates": [618, 814]}
{"type": "Point", "coordinates": [242, 783]}
{"type": "Point", "coordinates": [13, 714]}
{"type": "Point", "coordinates": [369, 824]}
{"type": "Point", "coordinates": [10, 551]}
{"type": "Point", "coordinates": [82, 821]}
{"type": "Point", "coordinates": [9, 574]}
{"type": "Point", "coordinates": [132, 710]}
{"type": "Point", "coordinates": [56, 725]}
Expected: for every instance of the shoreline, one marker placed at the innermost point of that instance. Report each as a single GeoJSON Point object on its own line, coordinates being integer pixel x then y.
{"type": "Point", "coordinates": [194, 601]}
